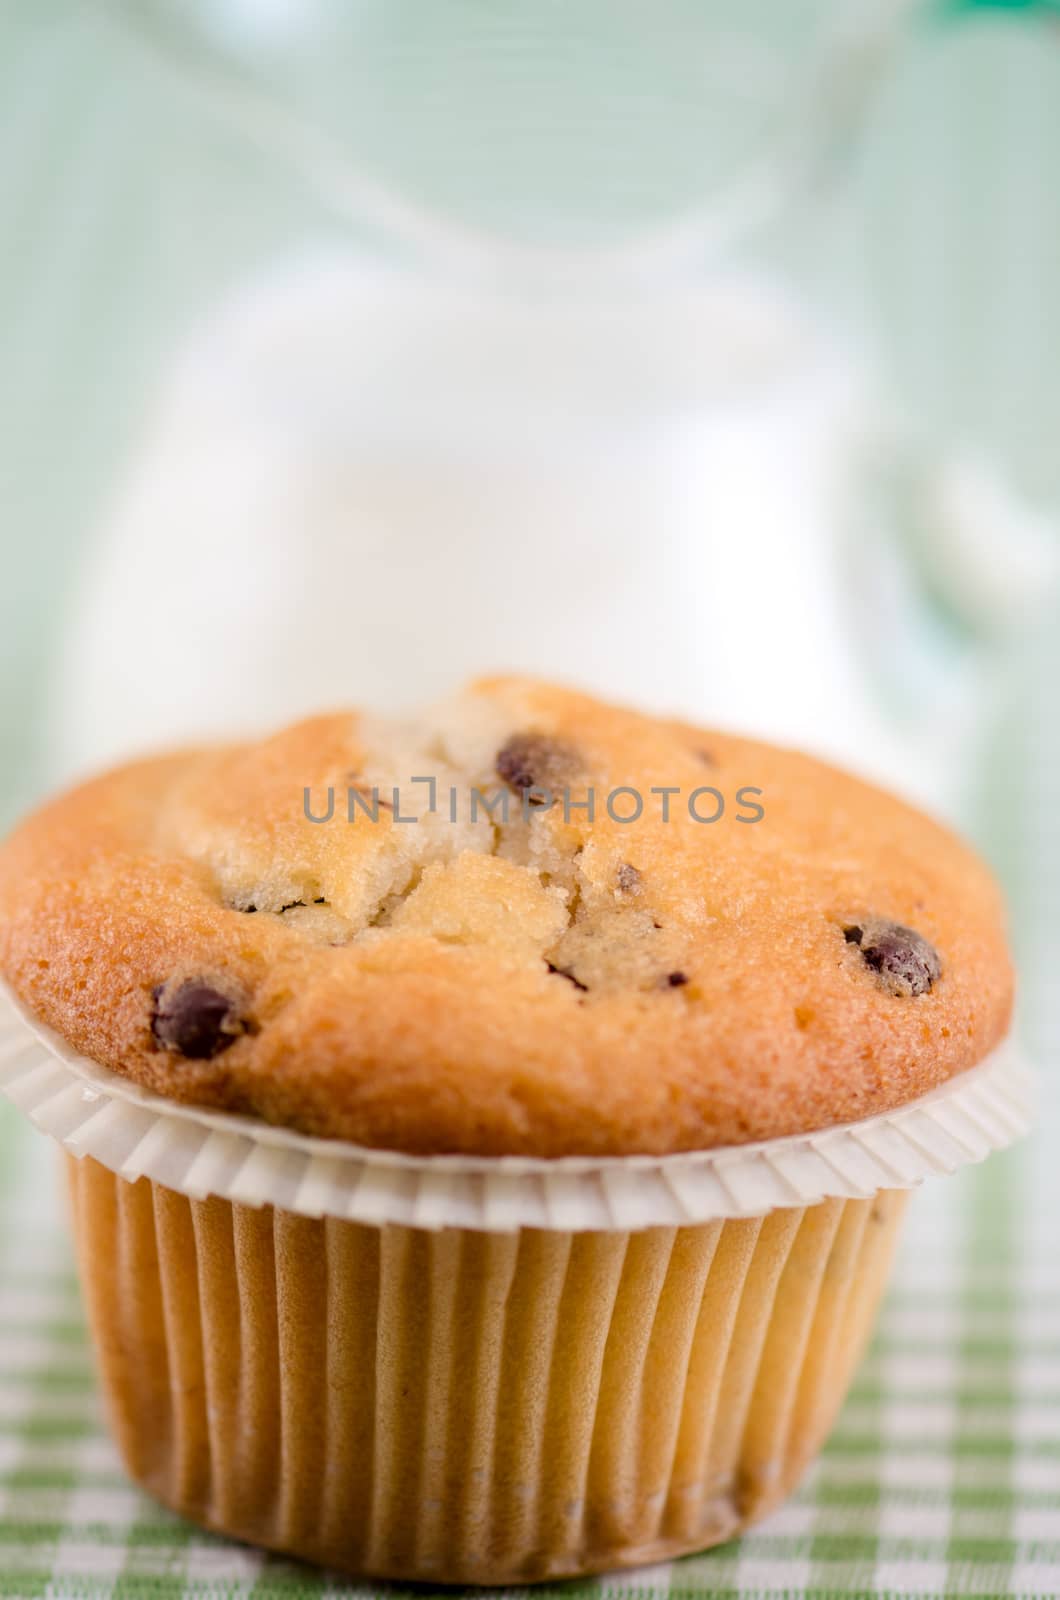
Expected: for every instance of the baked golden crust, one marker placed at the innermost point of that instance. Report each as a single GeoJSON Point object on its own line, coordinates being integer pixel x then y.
{"type": "Point", "coordinates": [548, 986]}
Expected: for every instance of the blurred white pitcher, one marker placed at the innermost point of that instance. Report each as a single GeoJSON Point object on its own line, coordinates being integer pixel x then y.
{"type": "Point", "coordinates": [535, 410]}
{"type": "Point", "coordinates": [358, 490]}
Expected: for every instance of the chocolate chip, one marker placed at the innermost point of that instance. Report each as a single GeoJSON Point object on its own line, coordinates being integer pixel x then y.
{"type": "Point", "coordinates": [194, 1019]}
{"type": "Point", "coordinates": [676, 980]}
{"type": "Point", "coordinates": [565, 972]}
{"type": "Point", "coordinates": [902, 959]}
{"type": "Point", "coordinates": [534, 761]}
{"type": "Point", "coordinates": [628, 879]}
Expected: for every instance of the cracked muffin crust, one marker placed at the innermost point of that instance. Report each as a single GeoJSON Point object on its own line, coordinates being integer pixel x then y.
{"type": "Point", "coordinates": [548, 984]}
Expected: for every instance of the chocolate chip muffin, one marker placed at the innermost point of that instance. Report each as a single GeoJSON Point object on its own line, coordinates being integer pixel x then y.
{"type": "Point", "coordinates": [590, 931]}
{"type": "Point", "coordinates": [525, 925]}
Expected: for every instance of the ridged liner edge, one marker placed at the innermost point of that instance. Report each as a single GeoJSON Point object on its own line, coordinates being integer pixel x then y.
{"type": "Point", "coordinates": [92, 1111]}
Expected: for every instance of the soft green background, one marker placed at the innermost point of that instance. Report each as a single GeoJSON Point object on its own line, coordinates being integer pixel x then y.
{"type": "Point", "coordinates": [123, 216]}
{"type": "Point", "coordinates": [119, 220]}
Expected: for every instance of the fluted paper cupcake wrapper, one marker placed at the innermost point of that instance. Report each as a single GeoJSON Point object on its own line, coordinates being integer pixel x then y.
{"type": "Point", "coordinates": [460, 1406]}
{"type": "Point", "coordinates": [476, 1371]}
{"type": "Point", "coordinates": [95, 1112]}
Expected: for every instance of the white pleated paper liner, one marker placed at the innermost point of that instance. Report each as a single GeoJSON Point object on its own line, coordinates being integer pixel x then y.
{"type": "Point", "coordinates": [92, 1111]}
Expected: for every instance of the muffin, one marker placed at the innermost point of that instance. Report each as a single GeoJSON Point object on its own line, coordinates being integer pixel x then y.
{"type": "Point", "coordinates": [529, 933]}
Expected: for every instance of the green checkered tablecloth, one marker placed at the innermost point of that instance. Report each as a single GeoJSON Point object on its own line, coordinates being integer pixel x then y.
{"type": "Point", "coordinates": [942, 1477]}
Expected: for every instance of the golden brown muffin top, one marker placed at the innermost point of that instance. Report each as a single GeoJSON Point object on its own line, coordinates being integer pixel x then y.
{"type": "Point", "coordinates": [770, 948]}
